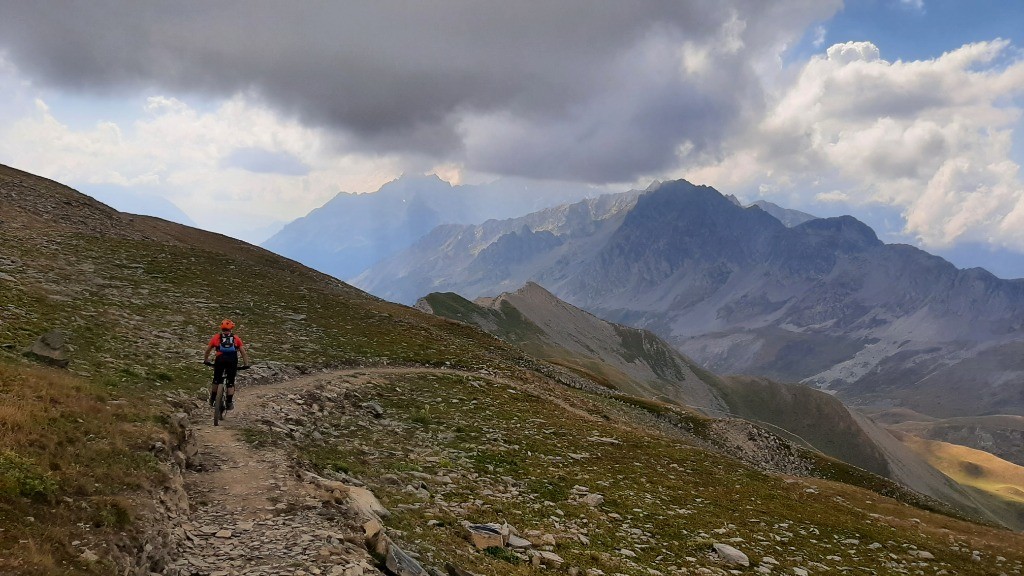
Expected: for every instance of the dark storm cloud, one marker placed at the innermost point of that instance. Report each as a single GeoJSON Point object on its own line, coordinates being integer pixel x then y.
{"type": "Point", "coordinates": [592, 89]}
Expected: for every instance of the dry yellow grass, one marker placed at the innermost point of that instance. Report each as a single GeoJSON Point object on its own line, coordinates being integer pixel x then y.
{"type": "Point", "coordinates": [66, 457]}
{"type": "Point", "coordinates": [13, 419]}
{"type": "Point", "coordinates": [972, 467]}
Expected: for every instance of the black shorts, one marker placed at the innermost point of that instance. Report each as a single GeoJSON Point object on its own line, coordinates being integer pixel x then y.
{"type": "Point", "coordinates": [225, 368]}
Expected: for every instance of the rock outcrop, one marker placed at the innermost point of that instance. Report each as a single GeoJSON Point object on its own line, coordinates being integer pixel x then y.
{"type": "Point", "coordinates": [50, 348]}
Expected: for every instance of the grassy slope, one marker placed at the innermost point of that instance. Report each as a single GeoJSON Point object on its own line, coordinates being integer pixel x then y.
{"type": "Point", "coordinates": [508, 324]}
{"type": "Point", "coordinates": [812, 416]}
{"type": "Point", "coordinates": [819, 419]}
{"type": "Point", "coordinates": [516, 454]}
{"type": "Point", "coordinates": [608, 362]}
{"type": "Point", "coordinates": [140, 297]}
{"type": "Point", "coordinates": [1001, 435]}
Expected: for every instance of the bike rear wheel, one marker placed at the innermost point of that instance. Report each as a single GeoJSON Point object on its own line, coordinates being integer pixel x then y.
{"type": "Point", "coordinates": [218, 405]}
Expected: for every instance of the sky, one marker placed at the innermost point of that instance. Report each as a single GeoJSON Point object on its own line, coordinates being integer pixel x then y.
{"type": "Point", "coordinates": [241, 116]}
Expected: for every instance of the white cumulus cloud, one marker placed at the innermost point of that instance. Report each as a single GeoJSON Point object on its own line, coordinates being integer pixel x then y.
{"type": "Point", "coordinates": [932, 138]}
{"type": "Point", "coordinates": [178, 152]}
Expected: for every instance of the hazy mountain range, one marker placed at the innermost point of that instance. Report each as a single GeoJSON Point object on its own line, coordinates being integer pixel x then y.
{"type": "Point", "coordinates": [824, 301]}
{"type": "Point", "coordinates": [355, 231]}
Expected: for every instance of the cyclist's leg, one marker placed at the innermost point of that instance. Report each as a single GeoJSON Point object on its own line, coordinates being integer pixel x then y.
{"type": "Point", "coordinates": [231, 369]}
{"type": "Point", "coordinates": [218, 377]}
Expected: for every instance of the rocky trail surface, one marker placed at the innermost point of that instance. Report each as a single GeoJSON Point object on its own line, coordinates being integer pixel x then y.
{"type": "Point", "coordinates": [254, 512]}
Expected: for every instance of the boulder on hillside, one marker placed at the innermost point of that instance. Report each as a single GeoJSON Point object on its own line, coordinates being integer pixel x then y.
{"type": "Point", "coordinates": [484, 536]}
{"type": "Point", "coordinates": [731, 555]}
{"type": "Point", "coordinates": [50, 348]}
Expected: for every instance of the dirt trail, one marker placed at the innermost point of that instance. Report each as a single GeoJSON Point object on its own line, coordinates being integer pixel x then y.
{"type": "Point", "coordinates": [250, 513]}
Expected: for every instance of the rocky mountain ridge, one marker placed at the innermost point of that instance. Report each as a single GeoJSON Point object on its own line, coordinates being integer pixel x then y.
{"type": "Point", "coordinates": [824, 302]}
{"type": "Point", "coordinates": [453, 256]}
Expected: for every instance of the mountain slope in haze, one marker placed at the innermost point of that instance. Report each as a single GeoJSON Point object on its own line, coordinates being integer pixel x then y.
{"type": "Point", "coordinates": [626, 359]}
{"type": "Point", "coordinates": [824, 302]}
{"type": "Point", "coordinates": [641, 364]}
{"type": "Point", "coordinates": [138, 298]}
{"type": "Point", "coordinates": [352, 232]}
{"type": "Point", "coordinates": [454, 257]}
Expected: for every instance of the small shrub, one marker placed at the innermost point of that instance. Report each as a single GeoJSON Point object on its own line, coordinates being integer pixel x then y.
{"type": "Point", "coordinates": [21, 477]}
{"type": "Point", "coordinates": [503, 554]}
{"type": "Point", "coordinates": [422, 417]}
{"type": "Point", "coordinates": [112, 513]}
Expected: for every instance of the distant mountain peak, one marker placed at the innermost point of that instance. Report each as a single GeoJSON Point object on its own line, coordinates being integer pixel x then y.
{"type": "Point", "coordinates": [787, 216]}
{"type": "Point", "coordinates": [533, 290]}
{"type": "Point", "coordinates": [844, 232]}
{"type": "Point", "coordinates": [415, 185]}
{"type": "Point", "coordinates": [530, 291]}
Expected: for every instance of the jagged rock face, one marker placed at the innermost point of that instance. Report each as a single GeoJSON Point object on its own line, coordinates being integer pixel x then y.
{"type": "Point", "coordinates": [823, 302]}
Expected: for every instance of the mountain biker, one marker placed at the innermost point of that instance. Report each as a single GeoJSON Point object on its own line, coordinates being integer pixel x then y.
{"type": "Point", "coordinates": [228, 346]}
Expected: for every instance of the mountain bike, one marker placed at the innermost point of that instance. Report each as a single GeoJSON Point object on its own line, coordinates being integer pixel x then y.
{"type": "Point", "coordinates": [220, 400]}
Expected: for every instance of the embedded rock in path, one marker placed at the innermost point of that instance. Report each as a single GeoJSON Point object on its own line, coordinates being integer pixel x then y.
{"type": "Point", "coordinates": [334, 491]}
{"type": "Point", "coordinates": [731, 555]}
{"type": "Point", "coordinates": [50, 348]}
{"type": "Point", "coordinates": [365, 503]}
{"type": "Point", "coordinates": [182, 439]}
{"type": "Point", "coordinates": [371, 529]}
{"type": "Point", "coordinates": [89, 557]}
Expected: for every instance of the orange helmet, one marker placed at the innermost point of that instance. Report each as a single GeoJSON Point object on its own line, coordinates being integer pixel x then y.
{"type": "Point", "coordinates": [227, 325]}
